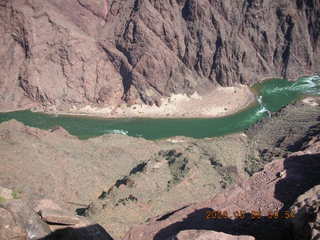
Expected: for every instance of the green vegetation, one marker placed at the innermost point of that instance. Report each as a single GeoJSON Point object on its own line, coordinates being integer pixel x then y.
{"type": "Point", "coordinates": [177, 165]}
{"type": "Point", "coordinates": [253, 165]}
{"type": "Point", "coordinates": [124, 201]}
{"type": "Point", "coordinates": [16, 194]}
{"type": "Point", "coordinates": [2, 200]}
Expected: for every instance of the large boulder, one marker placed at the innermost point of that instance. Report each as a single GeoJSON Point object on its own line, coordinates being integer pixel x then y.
{"type": "Point", "coordinates": [21, 221]}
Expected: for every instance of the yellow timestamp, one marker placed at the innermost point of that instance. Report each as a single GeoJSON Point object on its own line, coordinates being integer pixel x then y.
{"type": "Point", "coordinates": [240, 214]}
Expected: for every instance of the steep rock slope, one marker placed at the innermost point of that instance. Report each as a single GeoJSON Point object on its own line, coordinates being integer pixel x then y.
{"type": "Point", "coordinates": [258, 207]}
{"type": "Point", "coordinates": [67, 53]}
{"type": "Point", "coordinates": [122, 181]}
{"type": "Point", "coordinates": [107, 175]}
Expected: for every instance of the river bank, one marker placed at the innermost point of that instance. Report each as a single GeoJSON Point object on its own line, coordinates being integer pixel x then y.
{"type": "Point", "coordinates": [222, 101]}
{"type": "Point", "coordinates": [273, 95]}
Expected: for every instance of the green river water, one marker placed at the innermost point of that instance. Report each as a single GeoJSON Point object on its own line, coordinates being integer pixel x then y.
{"type": "Point", "coordinates": [271, 96]}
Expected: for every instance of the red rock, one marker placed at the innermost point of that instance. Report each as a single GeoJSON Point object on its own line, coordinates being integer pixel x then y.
{"type": "Point", "coordinates": [269, 192]}
{"type": "Point", "coordinates": [208, 235]}
{"type": "Point", "coordinates": [306, 223]}
{"type": "Point", "coordinates": [148, 49]}
{"type": "Point", "coordinates": [26, 220]}
{"type": "Point", "coordinates": [8, 227]}
{"type": "Point", "coordinates": [46, 204]}
{"type": "Point", "coordinates": [58, 217]}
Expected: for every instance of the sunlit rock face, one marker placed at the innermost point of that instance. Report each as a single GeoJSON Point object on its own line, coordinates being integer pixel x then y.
{"type": "Point", "coordinates": [86, 52]}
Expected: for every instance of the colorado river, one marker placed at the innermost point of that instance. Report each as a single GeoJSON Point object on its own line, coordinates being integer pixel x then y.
{"type": "Point", "coordinates": [272, 95]}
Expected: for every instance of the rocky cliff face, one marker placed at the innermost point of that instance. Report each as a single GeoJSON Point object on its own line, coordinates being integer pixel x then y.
{"type": "Point", "coordinates": [67, 53]}
{"type": "Point", "coordinates": [307, 223]}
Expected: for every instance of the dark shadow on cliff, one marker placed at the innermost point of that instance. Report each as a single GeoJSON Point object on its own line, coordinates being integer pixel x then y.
{"type": "Point", "coordinates": [93, 232]}
{"type": "Point", "coordinates": [303, 172]}
{"type": "Point", "coordinates": [298, 145]}
{"type": "Point", "coordinates": [262, 229]}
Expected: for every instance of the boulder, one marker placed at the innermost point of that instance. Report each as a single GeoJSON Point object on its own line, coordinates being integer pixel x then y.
{"type": "Point", "coordinates": [18, 221]}
{"type": "Point", "coordinates": [45, 204]}
{"type": "Point", "coordinates": [58, 217]}
{"type": "Point", "coordinates": [26, 220]}
{"type": "Point", "coordinates": [208, 235]}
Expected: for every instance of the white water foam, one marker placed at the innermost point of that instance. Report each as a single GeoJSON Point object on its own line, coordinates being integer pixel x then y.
{"type": "Point", "coordinates": [258, 114]}
{"type": "Point", "coordinates": [277, 89]}
{"type": "Point", "coordinates": [306, 84]}
{"type": "Point", "coordinates": [117, 131]}
{"type": "Point", "coordinates": [263, 109]}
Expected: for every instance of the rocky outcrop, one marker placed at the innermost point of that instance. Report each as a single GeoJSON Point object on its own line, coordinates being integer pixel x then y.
{"type": "Point", "coordinates": [306, 225]}
{"type": "Point", "coordinates": [47, 221]}
{"type": "Point", "coordinates": [287, 131]}
{"type": "Point", "coordinates": [60, 54]}
{"type": "Point", "coordinates": [65, 225]}
{"type": "Point", "coordinates": [258, 207]}
{"type": "Point", "coordinates": [20, 221]}
{"type": "Point", "coordinates": [53, 214]}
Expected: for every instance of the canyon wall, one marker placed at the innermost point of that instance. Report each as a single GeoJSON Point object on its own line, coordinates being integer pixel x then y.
{"type": "Point", "coordinates": [68, 53]}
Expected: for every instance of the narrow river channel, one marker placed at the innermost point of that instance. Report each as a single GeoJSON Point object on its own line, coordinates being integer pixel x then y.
{"type": "Point", "coordinates": [272, 95]}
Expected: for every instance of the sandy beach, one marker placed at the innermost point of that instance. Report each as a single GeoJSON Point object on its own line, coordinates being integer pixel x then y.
{"type": "Point", "coordinates": [220, 102]}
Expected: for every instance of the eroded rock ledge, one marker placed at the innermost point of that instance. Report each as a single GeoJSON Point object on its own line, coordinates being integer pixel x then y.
{"type": "Point", "coordinates": [45, 221]}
